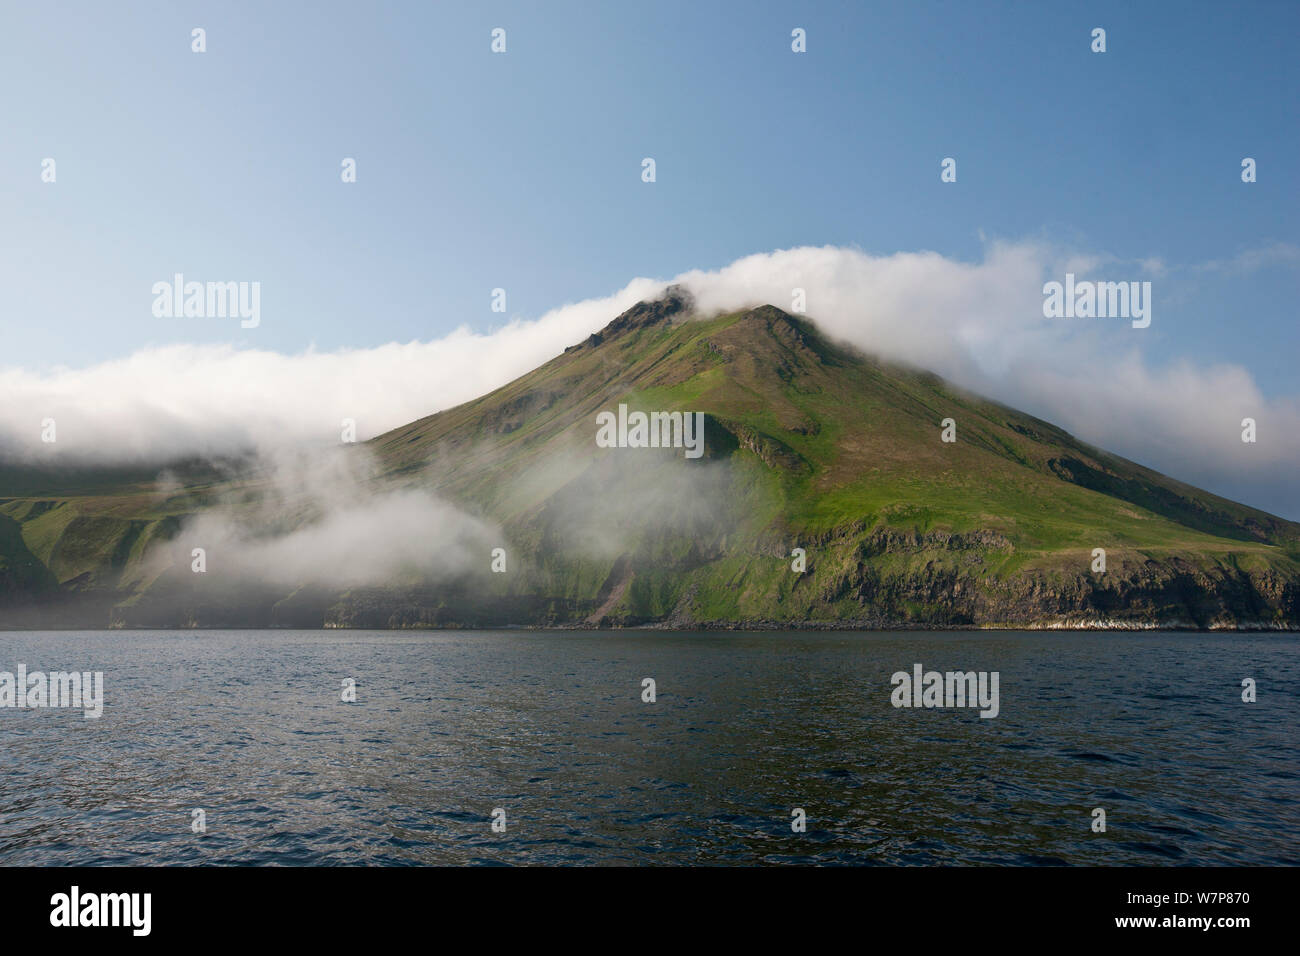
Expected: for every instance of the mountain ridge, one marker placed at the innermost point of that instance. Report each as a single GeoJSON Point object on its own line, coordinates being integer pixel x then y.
{"type": "Point", "coordinates": [809, 443]}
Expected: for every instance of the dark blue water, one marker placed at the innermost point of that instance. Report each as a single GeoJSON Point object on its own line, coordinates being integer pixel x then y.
{"type": "Point", "coordinates": [550, 727]}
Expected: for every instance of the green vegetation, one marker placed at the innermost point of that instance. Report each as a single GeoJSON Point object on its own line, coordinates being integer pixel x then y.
{"type": "Point", "coordinates": [809, 444]}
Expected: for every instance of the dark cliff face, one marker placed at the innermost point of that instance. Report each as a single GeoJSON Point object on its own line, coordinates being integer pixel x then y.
{"type": "Point", "coordinates": [808, 446]}
{"type": "Point", "coordinates": [674, 305]}
{"type": "Point", "coordinates": [1164, 595]}
{"type": "Point", "coordinates": [676, 302]}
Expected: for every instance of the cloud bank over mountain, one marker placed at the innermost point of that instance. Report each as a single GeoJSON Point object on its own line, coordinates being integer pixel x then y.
{"type": "Point", "coordinates": [981, 325]}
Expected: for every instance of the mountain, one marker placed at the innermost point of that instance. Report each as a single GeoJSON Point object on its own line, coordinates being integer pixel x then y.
{"type": "Point", "coordinates": [808, 444]}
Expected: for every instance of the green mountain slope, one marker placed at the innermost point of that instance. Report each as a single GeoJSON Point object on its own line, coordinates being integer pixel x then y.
{"type": "Point", "coordinates": [808, 445]}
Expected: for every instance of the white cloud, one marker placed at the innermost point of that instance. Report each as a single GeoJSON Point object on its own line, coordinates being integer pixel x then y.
{"type": "Point", "coordinates": [978, 324]}
{"type": "Point", "coordinates": [1249, 261]}
{"type": "Point", "coordinates": [171, 401]}
{"type": "Point", "coordinates": [312, 517]}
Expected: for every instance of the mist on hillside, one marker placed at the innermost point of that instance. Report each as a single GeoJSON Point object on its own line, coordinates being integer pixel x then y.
{"type": "Point", "coordinates": [329, 519]}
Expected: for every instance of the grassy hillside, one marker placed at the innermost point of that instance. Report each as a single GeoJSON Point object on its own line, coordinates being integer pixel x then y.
{"type": "Point", "coordinates": [808, 445]}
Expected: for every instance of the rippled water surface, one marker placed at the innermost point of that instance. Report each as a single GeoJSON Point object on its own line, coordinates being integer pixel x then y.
{"type": "Point", "coordinates": [550, 726]}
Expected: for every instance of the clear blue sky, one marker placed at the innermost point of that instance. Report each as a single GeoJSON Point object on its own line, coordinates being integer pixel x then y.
{"type": "Point", "coordinates": [523, 170]}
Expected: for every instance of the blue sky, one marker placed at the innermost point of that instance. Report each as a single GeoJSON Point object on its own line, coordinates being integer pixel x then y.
{"type": "Point", "coordinates": [522, 170]}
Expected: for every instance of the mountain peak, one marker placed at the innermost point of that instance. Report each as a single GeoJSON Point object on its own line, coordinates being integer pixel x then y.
{"type": "Point", "coordinates": [675, 301]}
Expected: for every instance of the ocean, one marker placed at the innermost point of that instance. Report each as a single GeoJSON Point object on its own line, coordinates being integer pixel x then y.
{"type": "Point", "coordinates": [539, 747]}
